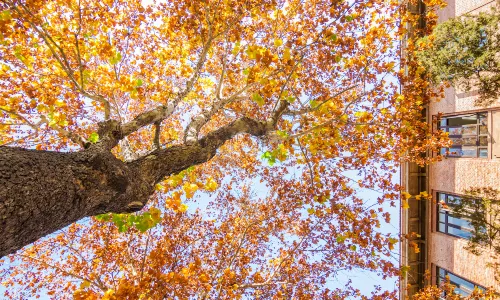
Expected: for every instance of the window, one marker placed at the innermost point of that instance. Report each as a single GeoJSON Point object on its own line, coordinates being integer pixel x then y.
{"type": "Point", "coordinates": [449, 224]}
{"type": "Point", "coordinates": [462, 286]}
{"type": "Point", "coordinates": [468, 133]}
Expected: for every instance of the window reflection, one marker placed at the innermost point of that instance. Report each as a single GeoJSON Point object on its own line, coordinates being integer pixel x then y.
{"type": "Point", "coordinates": [462, 286]}
{"type": "Point", "coordinates": [447, 223]}
{"type": "Point", "coordinates": [468, 133]}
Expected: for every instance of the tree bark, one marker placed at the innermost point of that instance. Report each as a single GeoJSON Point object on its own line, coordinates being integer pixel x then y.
{"type": "Point", "coordinates": [43, 191]}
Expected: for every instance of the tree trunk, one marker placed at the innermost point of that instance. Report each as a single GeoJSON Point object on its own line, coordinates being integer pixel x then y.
{"type": "Point", "coordinates": [43, 191]}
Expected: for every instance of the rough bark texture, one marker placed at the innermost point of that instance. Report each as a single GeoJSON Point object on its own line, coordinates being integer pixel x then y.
{"type": "Point", "coordinates": [43, 191]}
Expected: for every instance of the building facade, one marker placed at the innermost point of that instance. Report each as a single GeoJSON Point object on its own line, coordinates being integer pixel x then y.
{"type": "Point", "coordinates": [472, 162]}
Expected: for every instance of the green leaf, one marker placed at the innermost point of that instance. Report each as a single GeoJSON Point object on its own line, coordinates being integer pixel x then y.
{"type": "Point", "coordinates": [138, 82]}
{"type": "Point", "coordinates": [119, 221]}
{"type": "Point", "coordinates": [290, 99]}
{"type": "Point", "coordinates": [131, 219]}
{"type": "Point", "coordinates": [393, 240]}
{"type": "Point", "coordinates": [5, 15]}
{"type": "Point", "coordinates": [103, 217]}
{"type": "Point", "coordinates": [269, 156]}
{"type": "Point", "coordinates": [353, 247]}
{"type": "Point", "coordinates": [17, 53]}
{"type": "Point", "coordinates": [93, 138]}
{"type": "Point", "coordinates": [282, 133]}
{"type": "Point", "coordinates": [340, 239]}
{"type": "Point", "coordinates": [258, 99]}
{"type": "Point", "coordinates": [404, 270]}
{"type": "Point", "coordinates": [115, 58]}
{"type": "Point", "coordinates": [333, 37]}
{"type": "Point", "coordinates": [236, 48]}
{"type": "Point", "coordinates": [349, 18]}
{"type": "Point", "coordinates": [145, 222]}
{"type": "Point", "coordinates": [281, 152]}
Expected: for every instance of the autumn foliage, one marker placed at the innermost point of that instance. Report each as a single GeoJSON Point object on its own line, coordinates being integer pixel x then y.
{"type": "Point", "coordinates": [275, 213]}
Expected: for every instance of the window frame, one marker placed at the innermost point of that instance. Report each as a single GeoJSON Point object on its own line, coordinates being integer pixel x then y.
{"type": "Point", "coordinates": [480, 115]}
{"type": "Point", "coordinates": [447, 213]}
{"type": "Point", "coordinates": [440, 279]}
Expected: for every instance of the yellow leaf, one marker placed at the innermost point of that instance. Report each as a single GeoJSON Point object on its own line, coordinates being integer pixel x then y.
{"type": "Point", "coordinates": [189, 189]}
{"type": "Point", "coordinates": [286, 54]}
{"type": "Point", "coordinates": [405, 205]}
{"type": "Point", "coordinates": [155, 214]}
{"type": "Point", "coordinates": [109, 295]}
{"type": "Point", "coordinates": [183, 207]}
{"type": "Point", "coordinates": [405, 195]}
{"type": "Point", "coordinates": [59, 103]}
{"type": "Point", "coordinates": [211, 185]}
{"type": "Point", "coordinates": [203, 277]}
{"type": "Point", "coordinates": [84, 284]}
{"type": "Point", "coordinates": [278, 42]}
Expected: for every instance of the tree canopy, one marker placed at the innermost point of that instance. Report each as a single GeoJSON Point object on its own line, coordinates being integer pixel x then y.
{"type": "Point", "coordinates": [164, 120]}
{"type": "Point", "coordinates": [464, 51]}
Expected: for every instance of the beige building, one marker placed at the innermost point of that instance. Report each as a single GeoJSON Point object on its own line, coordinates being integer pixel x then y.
{"type": "Point", "coordinates": [475, 163]}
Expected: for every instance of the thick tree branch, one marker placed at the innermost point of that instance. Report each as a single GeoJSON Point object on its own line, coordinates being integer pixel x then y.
{"type": "Point", "coordinates": [192, 130]}
{"type": "Point", "coordinates": [164, 162]}
{"type": "Point", "coordinates": [157, 135]}
{"type": "Point", "coordinates": [162, 112]}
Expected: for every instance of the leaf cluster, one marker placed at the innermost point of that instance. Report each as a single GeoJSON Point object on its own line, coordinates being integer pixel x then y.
{"type": "Point", "coordinates": [464, 51]}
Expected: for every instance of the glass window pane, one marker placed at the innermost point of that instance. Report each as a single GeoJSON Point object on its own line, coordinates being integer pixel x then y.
{"type": "Point", "coordinates": [441, 272]}
{"type": "Point", "coordinates": [469, 130]}
{"type": "Point", "coordinates": [459, 222]}
{"type": "Point", "coordinates": [454, 152]}
{"type": "Point", "coordinates": [462, 120]}
{"type": "Point", "coordinates": [442, 197]}
{"type": "Point", "coordinates": [442, 227]}
{"type": "Point", "coordinates": [463, 287]}
{"type": "Point", "coordinates": [463, 131]}
{"type": "Point", "coordinates": [461, 283]}
{"type": "Point", "coordinates": [466, 141]}
{"type": "Point", "coordinates": [469, 152]}
{"type": "Point", "coordinates": [483, 118]}
{"type": "Point", "coordinates": [453, 200]}
{"type": "Point", "coordinates": [455, 131]}
{"type": "Point", "coordinates": [458, 232]}
{"type": "Point", "coordinates": [462, 292]}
